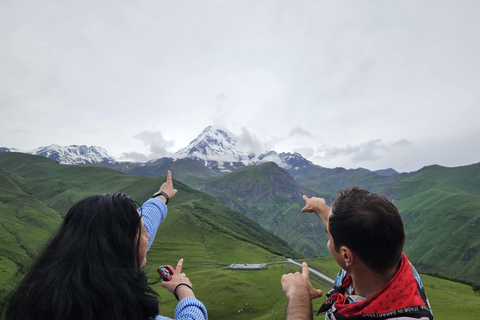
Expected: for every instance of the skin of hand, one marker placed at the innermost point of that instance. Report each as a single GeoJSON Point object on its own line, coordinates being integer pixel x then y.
{"type": "Point", "coordinates": [300, 293]}
{"type": "Point", "coordinates": [177, 278]}
{"type": "Point", "coordinates": [168, 188]}
{"type": "Point", "coordinates": [317, 206]}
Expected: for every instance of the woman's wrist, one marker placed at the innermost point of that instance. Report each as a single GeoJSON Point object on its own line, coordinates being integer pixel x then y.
{"type": "Point", "coordinates": [183, 290]}
{"type": "Point", "coordinates": [162, 195]}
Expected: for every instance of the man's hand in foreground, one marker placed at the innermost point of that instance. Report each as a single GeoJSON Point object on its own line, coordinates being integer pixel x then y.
{"type": "Point", "coordinates": [300, 293]}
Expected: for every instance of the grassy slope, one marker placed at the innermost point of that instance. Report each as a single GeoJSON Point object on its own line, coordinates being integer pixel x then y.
{"type": "Point", "coordinates": [207, 254]}
{"type": "Point", "coordinates": [328, 181]}
{"type": "Point", "coordinates": [269, 195]}
{"type": "Point", "coordinates": [191, 172]}
{"type": "Point", "coordinates": [25, 223]}
{"type": "Point", "coordinates": [441, 211]}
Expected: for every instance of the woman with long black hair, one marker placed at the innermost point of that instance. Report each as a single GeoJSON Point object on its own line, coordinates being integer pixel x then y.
{"type": "Point", "coordinates": [92, 268]}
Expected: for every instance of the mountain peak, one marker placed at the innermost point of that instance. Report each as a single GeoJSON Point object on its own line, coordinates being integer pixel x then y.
{"type": "Point", "coordinates": [73, 154]}
{"type": "Point", "coordinates": [218, 148]}
{"type": "Point", "coordinates": [214, 143]}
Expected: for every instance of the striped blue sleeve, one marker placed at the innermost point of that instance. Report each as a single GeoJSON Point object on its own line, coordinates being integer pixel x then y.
{"type": "Point", "coordinates": [154, 211]}
{"type": "Point", "coordinates": [188, 309]}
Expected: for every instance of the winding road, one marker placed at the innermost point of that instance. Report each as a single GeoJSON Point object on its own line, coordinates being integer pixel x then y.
{"type": "Point", "coordinates": [321, 275]}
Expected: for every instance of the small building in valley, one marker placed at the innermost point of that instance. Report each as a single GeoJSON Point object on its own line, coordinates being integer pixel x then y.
{"type": "Point", "coordinates": [247, 266]}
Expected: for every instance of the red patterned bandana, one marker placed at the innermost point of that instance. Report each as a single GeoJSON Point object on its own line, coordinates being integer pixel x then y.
{"type": "Point", "coordinates": [401, 298]}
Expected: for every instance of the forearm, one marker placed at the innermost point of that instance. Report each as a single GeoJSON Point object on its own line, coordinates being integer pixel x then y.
{"type": "Point", "coordinates": [153, 211]}
{"type": "Point", "coordinates": [322, 213]}
{"type": "Point", "coordinates": [299, 308]}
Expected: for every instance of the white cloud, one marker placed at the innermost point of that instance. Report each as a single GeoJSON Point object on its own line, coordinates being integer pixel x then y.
{"type": "Point", "coordinates": [156, 145]}
{"type": "Point", "coordinates": [402, 143]}
{"type": "Point", "coordinates": [365, 154]}
{"type": "Point", "coordinates": [300, 132]}
{"type": "Point", "coordinates": [248, 142]}
{"type": "Point", "coordinates": [134, 156]}
{"type": "Point", "coordinates": [306, 152]}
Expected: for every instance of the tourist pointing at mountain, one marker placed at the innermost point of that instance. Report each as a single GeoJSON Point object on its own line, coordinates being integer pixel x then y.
{"type": "Point", "coordinates": [92, 268]}
{"type": "Point", "coordinates": [377, 281]}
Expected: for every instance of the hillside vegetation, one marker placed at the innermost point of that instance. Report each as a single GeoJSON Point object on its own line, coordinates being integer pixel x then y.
{"type": "Point", "coordinates": [441, 210]}
{"type": "Point", "coordinates": [269, 195]}
{"type": "Point", "coordinates": [328, 181]}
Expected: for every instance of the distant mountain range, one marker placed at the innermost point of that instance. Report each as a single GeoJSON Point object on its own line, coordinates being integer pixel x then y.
{"type": "Point", "coordinates": [72, 155]}
{"type": "Point", "coordinates": [216, 148]}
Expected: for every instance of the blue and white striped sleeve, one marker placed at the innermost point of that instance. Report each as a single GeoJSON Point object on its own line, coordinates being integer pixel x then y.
{"type": "Point", "coordinates": [188, 309]}
{"type": "Point", "coordinates": [153, 211]}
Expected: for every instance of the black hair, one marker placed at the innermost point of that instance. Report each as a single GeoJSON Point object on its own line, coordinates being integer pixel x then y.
{"type": "Point", "coordinates": [90, 269]}
{"type": "Point", "coordinates": [370, 225]}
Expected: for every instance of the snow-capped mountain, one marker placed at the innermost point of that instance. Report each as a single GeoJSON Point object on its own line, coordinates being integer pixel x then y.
{"type": "Point", "coordinates": [285, 160]}
{"type": "Point", "coordinates": [5, 149]}
{"type": "Point", "coordinates": [213, 143]}
{"type": "Point", "coordinates": [73, 154]}
{"type": "Point", "coordinates": [217, 147]}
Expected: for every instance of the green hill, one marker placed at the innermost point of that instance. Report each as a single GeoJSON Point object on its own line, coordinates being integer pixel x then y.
{"type": "Point", "coordinates": [441, 210]}
{"type": "Point", "coordinates": [269, 195]}
{"type": "Point", "coordinates": [191, 172]}
{"type": "Point", "coordinates": [25, 223]}
{"type": "Point", "coordinates": [328, 181]}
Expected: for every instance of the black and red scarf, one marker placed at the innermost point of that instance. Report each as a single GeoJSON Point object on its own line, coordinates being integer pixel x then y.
{"type": "Point", "coordinates": [403, 297]}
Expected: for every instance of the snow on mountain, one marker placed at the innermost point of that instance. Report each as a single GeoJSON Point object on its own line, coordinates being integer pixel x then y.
{"type": "Point", "coordinates": [73, 154]}
{"type": "Point", "coordinates": [284, 160]}
{"type": "Point", "coordinates": [5, 149]}
{"type": "Point", "coordinates": [214, 143]}
{"type": "Point", "coordinates": [217, 147]}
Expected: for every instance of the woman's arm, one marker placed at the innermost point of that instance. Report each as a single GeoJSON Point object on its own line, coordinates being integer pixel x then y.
{"type": "Point", "coordinates": [154, 210]}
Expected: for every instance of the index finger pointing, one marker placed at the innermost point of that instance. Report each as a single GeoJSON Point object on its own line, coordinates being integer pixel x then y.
{"type": "Point", "coordinates": [178, 269]}
{"type": "Point", "coordinates": [305, 270]}
{"type": "Point", "coordinates": [169, 176]}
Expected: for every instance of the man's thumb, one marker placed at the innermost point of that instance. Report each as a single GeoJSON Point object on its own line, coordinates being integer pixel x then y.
{"type": "Point", "coordinates": [316, 294]}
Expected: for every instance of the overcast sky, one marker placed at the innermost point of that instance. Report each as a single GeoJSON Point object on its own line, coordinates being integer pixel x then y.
{"type": "Point", "coordinates": [371, 84]}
